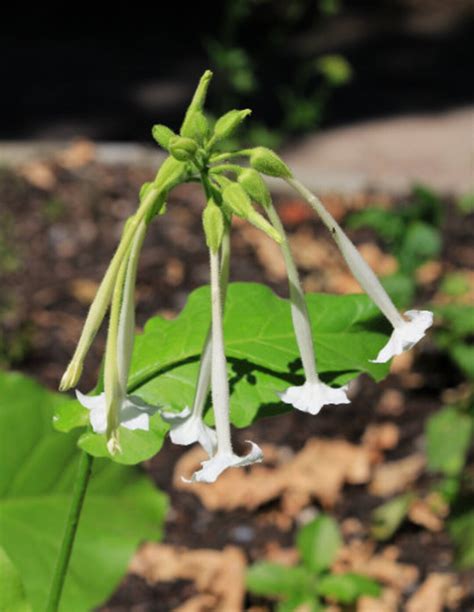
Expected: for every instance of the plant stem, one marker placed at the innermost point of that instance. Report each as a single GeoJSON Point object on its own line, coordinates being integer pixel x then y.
{"type": "Point", "coordinates": [62, 563]}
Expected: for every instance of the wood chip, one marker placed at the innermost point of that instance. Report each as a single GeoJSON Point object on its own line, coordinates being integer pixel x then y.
{"type": "Point", "coordinates": [80, 153]}
{"type": "Point", "coordinates": [432, 594]}
{"type": "Point", "coordinates": [381, 436]}
{"type": "Point", "coordinates": [319, 471]}
{"type": "Point", "coordinates": [39, 174]}
{"type": "Point", "coordinates": [421, 514]}
{"type": "Point", "coordinates": [387, 602]}
{"type": "Point", "coordinates": [219, 576]}
{"type": "Point", "coordinates": [396, 476]}
{"type": "Point", "coordinates": [391, 403]}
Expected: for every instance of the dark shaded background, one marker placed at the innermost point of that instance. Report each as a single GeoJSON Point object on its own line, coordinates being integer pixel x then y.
{"type": "Point", "coordinates": [70, 71]}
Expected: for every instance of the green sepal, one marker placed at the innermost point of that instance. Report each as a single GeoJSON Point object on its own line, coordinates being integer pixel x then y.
{"type": "Point", "coordinates": [268, 162]}
{"type": "Point", "coordinates": [213, 222]}
{"type": "Point", "coordinates": [237, 200]}
{"type": "Point", "coordinates": [255, 186]}
{"type": "Point", "coordinates": [197, 102]}
{"type": "Point", "coordinates": [197, 127]}
{"type": "Point", "coordinates": [162, 134]}
{"type": "Point", "coordinates": [182, 148]}
{"type": "Point", "coordinates": [170, 173]}
{"type": "Point", "coordinates": [228, 123]}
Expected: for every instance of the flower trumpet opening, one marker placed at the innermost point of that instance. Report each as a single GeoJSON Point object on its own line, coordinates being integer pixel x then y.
{"type": "Point", "coordinates": [213, 467]}
{"type": "Point", "coordinates": [312, 396]}
{"type": "Point", "coordinates": [406, 334]}
{"type": "Point", "coordinates": [187, 427]}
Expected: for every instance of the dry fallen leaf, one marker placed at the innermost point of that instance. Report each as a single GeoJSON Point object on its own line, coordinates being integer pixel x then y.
{"type": "Point", "coordinates": [391, 403]}
{"type": "Point", "coordinates": [318, 471]}
{"type": "Point", "coordinates": [422, 514]}
{"type": "Point", "coordinates": [219, 576]}
{"type": "Point", "coordinates": [268, 252]}
{"type": "Point", "coordinates": [381, 263]}
{"type": "Point", "coordinates": [358, 556]}
{"type": "Point", "coordinates": [381, 436]}
{"type": "Point", "coordinates": [432, 594]}
{"type": "Point", "coordinates": [396, 476]}
{"type": "Point", "coordinates": [387, 602]}
{"type": "Point", "coordinates": [429, 272]}
{"type": "Point", "coordinates": [78, 154]}
{"type": "Point", "coordinates": [39, 174]}
{"type": "Point", "coordinates": [83, 290]}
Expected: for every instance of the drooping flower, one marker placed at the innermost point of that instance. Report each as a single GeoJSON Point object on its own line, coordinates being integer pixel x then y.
{"type": "Point", "coordinates": [114, 408]}
{"type": "Point", "coordinates": [313, 394]}
{"type": "Point", "coordinates": [406, 333]}
{"type": "Point", "coordinates": [224, 456]}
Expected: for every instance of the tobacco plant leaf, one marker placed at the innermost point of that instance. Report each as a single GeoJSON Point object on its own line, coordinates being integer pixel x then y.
{"type": "Point", "coordinates": [121, 508]}
{"type": "Point", "coordinates": [12, 593]}
{"type": "Point", "coordinates": [263, 357]}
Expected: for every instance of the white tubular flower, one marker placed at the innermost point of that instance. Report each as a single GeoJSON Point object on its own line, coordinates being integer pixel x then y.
{"type": "Point", "coordinates": [313, 394]}
{"type": "Point", "coordinates": [224, 456]}
{"type": "Point", "coordinates": [114, 408]}
{"type": "Point", "coordinates": [405, 333]}
{"type": "Point", "coordinates": [187, 426]}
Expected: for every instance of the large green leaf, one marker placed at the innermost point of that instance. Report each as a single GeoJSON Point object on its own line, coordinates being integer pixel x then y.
{"type": "Point", "coordinates": [263, 357]}
{"type": "Point", "coordinates": [12, 593]}
{"type": "Point", "coordinates": [121, 509]}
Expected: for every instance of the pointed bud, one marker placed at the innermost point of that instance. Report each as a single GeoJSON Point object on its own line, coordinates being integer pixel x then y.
{"type": "Point", "coordinates": [181, 148]}
{"type": "Point", "coordinates": [198, 100]}
{"type": "Point", "coordinates": [229, 122]}
{"type": "Point", "coordinates": [268, 162]}
{"type": "Point", "coordinates": [261, 223]}
{"type": "Point", "coordinates": [72, 375]}
{"type": "Point", "coordinates": [237, 200]}
{"type": "Point", "coordinates": [196, 127]}
{"type": "Point", "coordinates": [255, 186]}
{"type": "Point", "coordinates": [213, 222]}
{"type": "Point", "coordinates": [162, 135]}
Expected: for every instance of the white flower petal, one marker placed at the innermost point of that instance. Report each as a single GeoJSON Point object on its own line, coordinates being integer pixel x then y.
{"type": "Point", "coordinates": [406, 335]}
{"type": "Point", "coordinates": [134, 413]}
{"type": "Point", "coordinates": [187, 428]}
{"type": "Point", "coordinates": [312, 396]}
{"type": "Point", "coordinates": [97, 407]}
{"type": "Point", "coordinates": [213, 468]}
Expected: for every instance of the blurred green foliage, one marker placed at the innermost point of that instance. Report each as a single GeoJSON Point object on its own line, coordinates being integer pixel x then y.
{"type": "Point", "coordinates": [309, 582]}
{"type": "Point", "coordinates": [240, 66]}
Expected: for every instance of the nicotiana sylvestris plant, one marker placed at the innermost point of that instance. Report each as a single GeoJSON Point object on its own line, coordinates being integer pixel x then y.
{"type": "Point", "coordinates": [233, 185]}
{"type": "Point", "coordinates": [231, 188]}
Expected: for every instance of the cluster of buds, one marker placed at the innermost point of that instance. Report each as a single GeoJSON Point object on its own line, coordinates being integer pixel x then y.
{"type": "Point", "coordinates": [231, 189]}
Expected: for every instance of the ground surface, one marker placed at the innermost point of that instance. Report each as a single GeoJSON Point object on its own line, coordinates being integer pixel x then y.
{"type": "Point", "coordinates": [60, 222]}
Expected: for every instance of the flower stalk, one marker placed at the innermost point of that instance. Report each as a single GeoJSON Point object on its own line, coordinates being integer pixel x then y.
{"type": "Point", "coordinates": [313, 394]}
{"type": "Point", "coordinates": [406, 333]}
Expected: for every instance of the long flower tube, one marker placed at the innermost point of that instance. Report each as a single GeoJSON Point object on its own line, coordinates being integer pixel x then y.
{"type": "Point", "coordinates": [167, 176]}
{"type": "Point", "coordinates": [113, 407]}
{"type": "Point", "coordinates": [188, 426]}
{"type": "Point", "coordinates": [313, 394]}
{"type": "Point", "coordinates": [406, 331]}
{"type": "Point", "coordinates": [224, 456]}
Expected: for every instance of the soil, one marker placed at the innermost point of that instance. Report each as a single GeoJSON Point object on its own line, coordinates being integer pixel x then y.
{"type": "Point", "coordinates": [55, 242]}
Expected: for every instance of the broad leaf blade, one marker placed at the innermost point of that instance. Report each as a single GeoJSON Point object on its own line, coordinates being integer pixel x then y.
{"type": "Point", "coordinates": [12, 593]}
{"type": "Point", "coordinates": [121, 509]}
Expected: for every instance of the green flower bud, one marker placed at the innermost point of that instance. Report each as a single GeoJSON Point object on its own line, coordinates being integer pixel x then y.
{"type": "Point", "coordinates": [162, 135]}
{"type": "Point", "coordinates": [255, 186]}
{"type": "Point", "coordinates": [237, 200]}
{"type": "Point", "coordinates": [229, 122]}
{"type": "Point", "coordinates": [197, 102]}
{"type": "Point", "coordinates": [181, 148]}
{"type": "Point", "coordinates": [261, 223]}
{"type": "Point", "coordinates": [213, 222]}
{"type": "Point", "coordinates": [268, 162]}
{"type": "Point", "coordinates": [196, 127]}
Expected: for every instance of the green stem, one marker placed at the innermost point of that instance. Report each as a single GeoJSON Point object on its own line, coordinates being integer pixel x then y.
{"type": "Point", "coordinates": [62, 563]}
